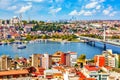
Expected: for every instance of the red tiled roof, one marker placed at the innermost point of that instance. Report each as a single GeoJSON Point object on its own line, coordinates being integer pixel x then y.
{"type": "Point", "coordinates": [92, 68]}
{"type": "Point", "coordinates": [81, 75]}
{"type": "Point", "coordinates": [49, 76]}
{"type": "Point", "coordinates": [38, 74]}
{"type": "Point", "coordinates": [13, 72]}
{"type": "Point", "coordinates": [108, 67]}
{"type": "Point", "coordinates": [57, 74]}
{"type": "Point", "coordinates": [90, 79]}
{"type": "Point", "coordinates": [72, 52]}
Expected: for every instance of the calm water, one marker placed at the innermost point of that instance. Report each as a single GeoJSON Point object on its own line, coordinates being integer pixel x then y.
{"type": "Point", "coordinates": [52, 47]}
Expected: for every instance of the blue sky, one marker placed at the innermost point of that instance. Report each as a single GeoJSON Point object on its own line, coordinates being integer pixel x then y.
{"type": "Point", "coordinates": [60, 9]}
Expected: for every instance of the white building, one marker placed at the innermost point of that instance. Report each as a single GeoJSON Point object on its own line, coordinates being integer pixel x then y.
{"type": "Point", "coordinates": [111, 59]}
{"type": "Point", "coordinates": [45, 61]}
{"type": "Point", "coordinates": [91, 71]}
{"type": "Point", "coordinates": [14, 21]}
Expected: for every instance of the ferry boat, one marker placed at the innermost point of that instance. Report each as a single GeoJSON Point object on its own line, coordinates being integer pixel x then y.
{"type": "Point", "coordinates": [22, 46]}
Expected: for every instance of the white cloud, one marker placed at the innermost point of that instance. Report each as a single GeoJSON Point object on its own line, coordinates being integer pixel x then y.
{"type": "Point", "coordinates": [54, 10]}
{"type": "Point", "coordinates": [35, 0]}
{"type": "Point", "coordinates": [74, 12]}
{"type": "Point", "coordinates": [91, 5]}
{"type": "Point", "coordinates": [113, 13]}
{"type": "Point", "coordinates": [59, 0]}
{"type": "Point", "coordinates": [98, 7]}
{"type": "Point", "coordinates": [87, 13]}
{"type": "Point", "coordinates": [107, 11]}
{"type": "Point", "coordinates": [23, 9]}
{"type": "Point", "coordinates": [12, 7]}
{"type": "Point", "coordinates": [101, 1]}
{"type": "Point", "coordinates": [82, 12]}
{"type": "Point", "coordinates": [4, 4]}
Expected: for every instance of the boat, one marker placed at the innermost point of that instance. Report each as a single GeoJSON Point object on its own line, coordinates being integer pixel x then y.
{"type": "Point", "coordinates": [0, 43]}
{"type": "Point", "coordinates": [64, 42]}
{"type": "Point", "coordinates": [22, 46]}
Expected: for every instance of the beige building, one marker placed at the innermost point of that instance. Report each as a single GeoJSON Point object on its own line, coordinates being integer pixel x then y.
{"type": "Point", "coordinates": [110, 58]}
{"type": "Point", "coordinates": [5, 62]}
{"type": "Point", "coordinates": [45, 61]}
{"type": "Point", "coordinates": [0, 22]}
{"type": "Point", "coordinates": [36, 60]}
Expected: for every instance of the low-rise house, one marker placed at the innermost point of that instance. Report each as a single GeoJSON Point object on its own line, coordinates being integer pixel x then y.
{"type": "Point", "coordinates": [28, 28]}
{"type": "Point", "coordinates": [91, 71]}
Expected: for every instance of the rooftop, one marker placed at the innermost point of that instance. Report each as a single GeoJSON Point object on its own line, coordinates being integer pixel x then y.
{"type": "Point", "coordinates": [13, 72]}
{"type": "Point", "coordinates": [92, 68]}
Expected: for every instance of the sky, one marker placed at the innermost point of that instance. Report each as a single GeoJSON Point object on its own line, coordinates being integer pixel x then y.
{"type": "Point", "coordinates": [61, 9]}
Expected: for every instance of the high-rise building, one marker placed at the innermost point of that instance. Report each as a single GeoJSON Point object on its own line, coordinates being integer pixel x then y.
{"type": "Point", "coordinates": [71, 58]}
{"type": "Point", "coordinates": [63, 59]}
{"type": "Point", "coordinates": [110, 58]}
{"type": "Point", "coordinates": [5, 62]}
{"type": "Point", "coordinates": [36, 60]}
{"type": "Point", "coordinates": [45, 61]}
{"type": "Point", "coordinates": [67, 59]}
{"type": "Point", "coordinates": [99, 60]}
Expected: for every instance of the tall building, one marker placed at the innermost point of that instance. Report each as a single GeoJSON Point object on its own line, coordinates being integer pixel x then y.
{"type": "Point", "coordinates": [63, 59]}
{"type": "Point", "coordinates": [0, 22]}
{"type": "Point", "coordinates": [45, 61]}
{"type": "Point", "coordinates": [99, 60]}
{"type": "Point", "coordinates": [56, 57]}
{"type": "Point", "coordinates": [5, 62]}
{"type": "Point", "coordinates": [71, 58]}
{"type": "Point", "coordinates": [67, 59]}
{"type": "Point", "coordinates": [50, 60]}
{"type": "Point", "coordinates": [111, 59]}
{"type": "Point", "coordinates": [36, 60]}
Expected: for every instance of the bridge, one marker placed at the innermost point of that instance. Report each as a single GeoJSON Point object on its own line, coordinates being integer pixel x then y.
{"type": "Point", "coordinates": [92, 41]}
{"type": "Point", "coordinates": [88, 39]}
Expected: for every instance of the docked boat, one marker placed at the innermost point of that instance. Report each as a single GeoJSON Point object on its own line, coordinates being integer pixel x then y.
{"type": "Point", "coordinates": [0, 43]}
{"type": "Point", "coordinates": [22, 46]}
{"type": "Point", "coordinates": [64, 42]}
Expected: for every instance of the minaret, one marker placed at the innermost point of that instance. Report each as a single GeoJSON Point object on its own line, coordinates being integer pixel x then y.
{"type": "Point", "coordinates": [20, 19]}
{"type": "Point", "coordinates": [29, 19]}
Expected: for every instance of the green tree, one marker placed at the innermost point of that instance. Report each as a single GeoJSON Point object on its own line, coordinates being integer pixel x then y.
{"type": "Point", "coordinates": [82, 57]}
{"type": "Point", "coordinates": [76, 65]}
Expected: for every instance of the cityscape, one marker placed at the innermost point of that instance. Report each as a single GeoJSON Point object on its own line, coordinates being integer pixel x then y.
{"type": "Point", "coordinates": [59, 40]}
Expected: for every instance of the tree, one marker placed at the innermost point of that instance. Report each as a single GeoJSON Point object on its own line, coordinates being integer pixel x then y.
{"type": "Point", "coordinates": [81, 60]}
{"type": "Point", "coordinates": [82, 57]}
{"type": "Point", "coordinates": [76, 65]}
{"type": "Point", "coordinates": [24, 22]}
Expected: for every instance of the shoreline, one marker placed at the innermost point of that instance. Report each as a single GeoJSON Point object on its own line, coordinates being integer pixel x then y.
{"type": "Point", "coordinates": [53, 40]}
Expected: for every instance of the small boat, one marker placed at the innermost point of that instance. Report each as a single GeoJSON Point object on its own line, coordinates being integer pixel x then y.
{"type": "Point", "coordinates": [22, 46]}
{"type": "Point", "coordinates": [64, 42]}
{"type": "Point", "coordinates": [0, 43]}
